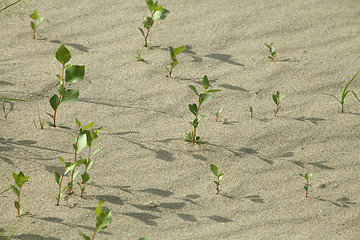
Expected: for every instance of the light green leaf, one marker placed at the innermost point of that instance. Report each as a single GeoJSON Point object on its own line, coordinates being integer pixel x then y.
{"type": "Point", "coordinates": [194, 89]}
{"type": "Point", "coordinates": [178, 50]}
{"type": "Point", "coordinates": [174, 63]}
{"type": "Point", "coordinates": [15, 190]}
{"type": "Point", "coordinates": [39, 20]}
{"type": "Point", "coordinates": [96, 151]}
{"type": "Point", "coordinates": [99, 208]}
{"type": "Point", "coordinates": [34, 15]}
{"type": "Point", "coordinates": [73, 95]}
{"type": "Point", "coordinates": [104, 220]}
{"type": "Point", "coordinates": [81, 143]}
{"type": "Point", "coordinates": [77, 122]}
{"type": "Point", "coordinates": [87, 126]}
{"type": "Point", "coordinates": [214, 169]}
{"type": "Point", "coordinates": [213, 90]}
{"type": "Point", "coordinates": [84, 236]}
{"type": "Point", "coordinates": [204, 98]}
{"type": "Point", "coordinates": [63, 55]}
{"type": "Point", "coordinates": [162, 14]}
{"type": "Point", "coordinates": [74, 73]}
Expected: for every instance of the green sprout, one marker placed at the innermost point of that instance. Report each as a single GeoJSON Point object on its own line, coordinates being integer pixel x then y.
{"type": "Point", "coordinates": [69, 74]}
{"type": "Point", "coordinates": [251, 111]}
{"type": "Point", "coordinates": [345, 92]}
{"type": "Point", "coordinates": [277, 99]}
{"type": "Point", "coordinates": [37, 20]}
{"type": "Point", "coordinates": [138, 58]}
{"type": "Point", "coordinates": [194, 109]}
{"type": "Point", "coordinates": [103, 220]}
{"type": "Point", "coordinates": [219, 176]}
{"type": "Point", "coordinates": [308, 177]}
{"type": "Point", "coordinates": [59, 179]}
{"type": "Point", "coordinates": [20, 179]}
{"type": "Point", "coordinates": [272, 51]}
{"type": "Point", "coordinates": [173, 53]}
{"type": "Point", "coordinates": [217, 114]}
{"type": "Point", "coordinates": [157, 13]}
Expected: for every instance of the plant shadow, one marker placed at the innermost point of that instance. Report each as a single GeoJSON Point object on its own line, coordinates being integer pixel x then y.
{"type": "Point", "coordinates": [77, 46]}
{"type": "Point", "coordinates": [224, 58]}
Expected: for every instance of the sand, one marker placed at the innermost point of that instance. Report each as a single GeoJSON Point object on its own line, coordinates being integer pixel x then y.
{"type": "Point", "coordinates": [156, 184]}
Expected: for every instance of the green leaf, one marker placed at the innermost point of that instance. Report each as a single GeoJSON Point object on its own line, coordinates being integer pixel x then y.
{"type": "Point", "coordinates": [214, 169]}
{"type": "Point", "coordinates": [355, 95]}
{"type": "Point", "coordinates": [74, 73]}
{"type": "Point", "coordinates": [193, 108]}
{"type": "Point", "coordinates": [87, 126]}
{"type": "Point", "coordinates": [104, 220]}
{"type": "Point", "coordinates": [85, 177]}
{"type": "Point", "coordinates": [72, 96]}
{"type": "Point", "coordinates": [148, 22]}
{"type": "Point", "coordinates": [15, 190]}
{"type": "Point", "coordinates": [171, 49]}
{"type": "Point", "coordinates": [142, 238]}
{"type": "Point", "coordinates": [54, 101]}
{"type": "Point", "coordinates": [194, 89]}
{"type": "Point", "coordinates": [333, 97]}
{"type": "Point", "coordinates": [32, 24]}
{"type": "Point", "coordinates": [38, 21]}
{"type": "Point", "coordinates": [84, 236]}
{"type": "Point", "coordinates": [221, 177]}
{"type": "Point", "coordinates": [274, 99]}
{"type": "Point", "coordinates": [308, 176]}
{"type": "Point", "coordinates": [213, 90]}
{"type": "Point", "coordinates": [57, 177]}
{"type": "Point", "coordinates": [63, 55]}
{"type": "Point", "coordinates": [63, 91]}
{"type": "Point", "coordinates": [21, 211]}
{"type": "Point", "coordinates": [344, 93]}
{"type": "Point", "coordinates": [20, 179]}
{"type": "Point", "coordinates": [90, 164]}
{"type": "Point", "coordinates": [62, 160]}
{"type": "Point", "coordinates": [49, 123]}
{"type": "Point", "coordinates": [217, 183]}
{"type": "Point", "coordinates": [204, 98]}
{"type": "Point", "coordinates": [96, 151]}
{"type": "Point", "coordinates": [5, 192]}
{"type": "Point", "coordinates": [34, 15]}
{"type": "Point", "coordinates": [150, 4]}
{"type": "Point", "coordinates": [81, 143]}
{"type": "Point", "coordinates": [142, 32]}
{"type": "Point", "coordinates": [76, 174]}
{"type": "Point", "coordinates": [174, 63]}
{"type": "Point", "coordinates": [178, 50]}
{"type": "Point", "coordinates": [99, 208]}
{"type": "Point", "coordinates": [16, 204]}
{"type": "Point", "coordinates": [205, 82]}
{"type": "Point", "coordinates": [202, 116]}
{"type": "Point", "coordinates": [282, 97]}
{"type": "Point", "coordinates": [161, 14]}
{"type": "Point", "coordinates": [77, 122]}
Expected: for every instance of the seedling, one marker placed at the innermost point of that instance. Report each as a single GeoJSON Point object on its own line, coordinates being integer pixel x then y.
{"type": "Point", "coordinates": [277, 99]}
{"type": "Point", "coordinates": [219, 176]}
{"type": "Point", "coordinates": [37, 20]}
{"type": "Point", "coordinates": [272, 51]}
{"type": "Point", "coordinates": [69, 74]}
{"type": "Point", "coordinates": [41, 121]}
{"type": "Point", "coordinates": [173, 53]}
{"type": "Point", "coordinates": [138, 58]}
{"type": "Point", "coordinates": [157, 13]}
{"type": "Point", "coordinates": [20, 179]}
{"type": "Point", "coordinates": [251, 112]}
{"type": "Point", "coordinates": [59, 179]}
{"type": "Point", "coordinates": [103, 220]}
{"type": "Point", "coordinates": [308, 177]}
{"type": "Point", "coordinates": [345, 92]}
{"type": "Point", "coordinates": [194, 109]}
{"type": "Point", "coordinates": [217, 114]}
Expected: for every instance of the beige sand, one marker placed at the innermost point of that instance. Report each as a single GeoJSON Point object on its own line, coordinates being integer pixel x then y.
{"type": "Point", "coordinates": [156, 184]}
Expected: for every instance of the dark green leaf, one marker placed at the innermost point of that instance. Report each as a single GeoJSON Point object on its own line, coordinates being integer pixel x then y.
{"type": "Point", "coordinates": [274, 99]}
{"type": "Point", "coordinates": [193, 108]}
{"type": "Point", "coordinates": [32, 24]}
{"type": "Point", "coordinates": [15, 190]}
{"type": "Point", "coordinates": [57, 177]}
{"type": "Point", "coordinates": [162, 14]}
{"type": "Point", "coordinates": [54, 101]}
{"type": "Point", "coordinates": [217, 183]}
{"type": "Point", "coordinates": [74, 73]}
{"type": "Point", "coordinates": [205, 82]}
{"type": "Point", "coordinates": [63, 55]}
{"type": "Point", "coordinates": [142, 32]}
{"type": "Point", "coordinates": [34, 15]}
{"type": "Point", "coordinates": [171, 49]}
{"type": "Point", "coordinates": [16, 204]}
{"type": "Point", "coordinates": [214, 169]}
{"type": "Point", "coordinates": [150, 4]}
{"type": "Point", "coordinates": [174, 63]}
{"type": "Point", "coordinates": [85, 177]}
{"type": "Point", "coordinates": [194, 89]}
{"type": "Point", "coordinates": [84, 236]}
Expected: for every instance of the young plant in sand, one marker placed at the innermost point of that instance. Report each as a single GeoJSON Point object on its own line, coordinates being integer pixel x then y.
{"type": "Point", "coordinates": [272, 51]}
{"type": "Point", "coordinates": [69, 74]}
{"type": "Point", "coordinates": [277, 99]}
{"type": "Point", "coordinates": [59, 179]}
{"type": "Point", "coordinates": [157, 13]}
{"type": "Point", "coordinates": [173, 53]}
{"type": "Point", "coordinates": [308, 177]}
{"type": "Point", "coordinates": [138, 58]}
{"type": "Point", "coordinates": [345, 92]}
{"type": "Point", "coordinates": [194, 109]}
{"type": "Point", "coordinates": [91, 135]}
{"type": "Point", "coordinates": [217, 114]}
{"type": "Point", "coordinates": [37, 20]}
{"type": "Point", "coordinates": [20, 179]}
{"type": "Point", "coordinates": [219, 176]}
{"type": "Point", "coordinates": [79, 144]}
{"type": "Point", "coordinates": [103, 220]}
{"type": "Point", "coordinates": [251, 111]}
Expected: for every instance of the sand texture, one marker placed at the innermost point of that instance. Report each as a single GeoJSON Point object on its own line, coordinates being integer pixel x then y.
{"type": "Point", "coordinates": [156, 184]}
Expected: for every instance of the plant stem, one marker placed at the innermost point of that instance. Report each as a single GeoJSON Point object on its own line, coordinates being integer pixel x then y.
{"type": "Point", "coordinates": [218, 186]}
{"type": "Point", "coordinates": [307, 187]}
{"type": "Point", "coordinates": [73, 171]}
{"type": "Point", "coordinates": [60, 183]}
{"type": "Point", "coordinates": [93, 235]}
{"type": "Point", "coordinates": [19, 202]}
{"type": "Point", "coordinates": [196, 117]}
{"type": "Point", "coordinates": [148, 29]}
{"type": "Point", "coordinates": [35, 29]}
{"type": "Point", "coordinates": [170, 72]}
{"type": "Point", "coordinates": [62, 82]}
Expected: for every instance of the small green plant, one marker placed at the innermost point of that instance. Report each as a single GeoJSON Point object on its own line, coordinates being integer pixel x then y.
{"type": "Point", "coordinates": [251, 111]}
{"type": "Point", "coordinates": [40, 120]}
{"type": "Point", "coordinates": [103, 220]}
{"type": "Point", "coordinates": [138, 58]}
{"type": "Point", "coordinates": [59, 179]}
{"type": "Point", "coordinates": [37, 20]}
{"type": "Point", "coordinates": [194, 109]}
{"type": "Point", "coordinates": [308, 176]}
{"type": "Point", "coordinates": [219, 176]}
{"type": "Point", "coordinates": [217, 114]}
{"type": "Point", "coordinates": [69, 74]}
{"type": "Point", "coordinates": [157, 13]}
{"type": "Point", "coordinates": [345, 92]}
{"type": "Point", "coordinates": [173, 53]}
{"type": "Point", "coordinates": [272, 51]}
{"type": "Point", "coordinates": [20, 179]}
{"type": "Point", "coordinates": [277, 99]}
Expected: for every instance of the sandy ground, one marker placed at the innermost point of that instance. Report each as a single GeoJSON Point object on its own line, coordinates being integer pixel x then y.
{"type": "Point", "coordinates": [156, 184]}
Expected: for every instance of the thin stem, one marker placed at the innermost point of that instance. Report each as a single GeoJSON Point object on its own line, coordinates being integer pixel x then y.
{"type": "Point", "coordinates": [62, 82]}
{"type": "Point", "coordinates": [60, 183]}
{"type": "Point", "coordinates": [73, 171]}
{"type": "Point", "coordinates": [170, 72]}
{"type": "Point", "coordinates": [196, 117]}
{"type": "Point", "coordinates": [218, 186]}
{"type": "Point", "coordinates": [35, 25]}
{"type": "Point", "coordinates": [93, 235]}
{"type": "Point", "coordinates": [148, 29]}
{"type": "Point", "coordinates": [19, 201]}
{"type": "Point", "coordinates": [307, 187]}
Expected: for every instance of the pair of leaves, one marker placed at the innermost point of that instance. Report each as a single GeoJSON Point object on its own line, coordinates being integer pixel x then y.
{"type": "Point", "coordinates": [203, 98]}
{"type": "Point", "coordinates": [159, 12]}
{"type": "Point", "coordinates": [271, 49]}
{"type": "Point", "coordinates": [20, 179]}
{"type": "Point", "coordinates": [308, 176]}
{"type": "Point", "coordinates": [215, 171]}
{"type": "Point", "coordinates": [276, 98]}
{"type": "Point", "coordinates": [175, 51]}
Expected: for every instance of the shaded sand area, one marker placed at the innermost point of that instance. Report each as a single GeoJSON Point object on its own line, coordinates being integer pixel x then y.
{"type": "Point", "coordinates": [156, 184]}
